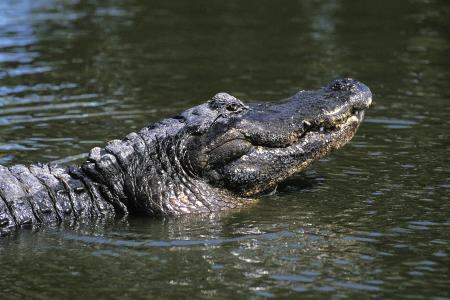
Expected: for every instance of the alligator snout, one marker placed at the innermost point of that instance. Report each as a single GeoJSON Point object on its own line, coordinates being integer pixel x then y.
{"type": "Point", "coordinates": [360, 94]}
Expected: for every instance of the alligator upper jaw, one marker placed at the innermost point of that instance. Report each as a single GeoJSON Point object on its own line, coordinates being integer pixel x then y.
{"type": "Point", "coordinates": [334, 127]}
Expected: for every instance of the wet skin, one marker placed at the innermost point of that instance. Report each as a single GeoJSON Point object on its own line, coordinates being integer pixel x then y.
{"type": "Point", "coordinates": [214, 156]}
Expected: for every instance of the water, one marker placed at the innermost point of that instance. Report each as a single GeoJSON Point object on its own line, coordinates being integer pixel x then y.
{"type": "Point", "coordinates": [370, 221]}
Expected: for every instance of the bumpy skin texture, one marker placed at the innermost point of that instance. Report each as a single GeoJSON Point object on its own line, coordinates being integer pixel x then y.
{"type": "Point", "coordinates": [211, 157]}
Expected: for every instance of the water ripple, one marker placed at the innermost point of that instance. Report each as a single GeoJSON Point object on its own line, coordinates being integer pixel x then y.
{"type": "Point", "coordinates": [21, 57]}
{"type": "Point", "coordinates": [8, 90]}
{"type": "Point", "coordinates": [49, 107]}
{"type": "Point", "coordinates": [392, 123]}
{"type": "Point", "coordinates": [23, 70]}
{"type": "Point", "coordinates": [177, 243]}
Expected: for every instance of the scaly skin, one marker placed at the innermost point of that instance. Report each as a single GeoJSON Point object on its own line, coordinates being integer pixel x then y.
{"type": "Point", "coordinates": [217, 155]}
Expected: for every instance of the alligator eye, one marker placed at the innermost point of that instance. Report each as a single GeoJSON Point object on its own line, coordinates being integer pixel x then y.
{"type": "Point", "coordinates": [232, 107]}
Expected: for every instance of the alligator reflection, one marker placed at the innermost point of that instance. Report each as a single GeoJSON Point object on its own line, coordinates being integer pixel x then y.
{"type": "Point", "coordinates": [300, 250]}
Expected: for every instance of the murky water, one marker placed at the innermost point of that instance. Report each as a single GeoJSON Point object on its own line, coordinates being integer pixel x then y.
{"type": "Point", "coordinates": [370, 221]}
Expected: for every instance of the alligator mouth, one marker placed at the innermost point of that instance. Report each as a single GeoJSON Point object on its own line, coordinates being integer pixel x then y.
{"type": "Point", "coordinates": [342, 123]}
{"type": "Point", "coordinates": [337, 133]}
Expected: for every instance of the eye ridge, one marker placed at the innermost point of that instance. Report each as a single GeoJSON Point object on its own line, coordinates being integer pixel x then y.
{"type": "Point", "coordinates": [226, 102]}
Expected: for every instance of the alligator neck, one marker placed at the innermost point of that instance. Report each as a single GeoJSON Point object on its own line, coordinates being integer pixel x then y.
{"type": "Point", "coordinates": [143, 172]}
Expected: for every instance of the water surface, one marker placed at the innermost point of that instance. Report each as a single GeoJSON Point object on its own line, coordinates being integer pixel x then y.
{"type": "Point", "coordinates": [369, 221]}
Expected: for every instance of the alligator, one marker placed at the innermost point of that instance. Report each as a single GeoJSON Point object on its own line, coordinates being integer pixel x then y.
{"type": "Point", "coordinates": [218, 155]}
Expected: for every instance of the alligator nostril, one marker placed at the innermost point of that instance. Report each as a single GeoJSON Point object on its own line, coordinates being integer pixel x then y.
{"type": "Point", "coordinates": [343, 85]}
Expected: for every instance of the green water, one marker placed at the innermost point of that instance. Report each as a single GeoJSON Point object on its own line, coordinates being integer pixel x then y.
{"type": "Point", "coordinates": [369, 221]}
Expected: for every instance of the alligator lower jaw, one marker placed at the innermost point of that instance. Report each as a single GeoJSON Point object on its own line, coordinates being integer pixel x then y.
{"type": "Point", "coordinates": [356, 115]}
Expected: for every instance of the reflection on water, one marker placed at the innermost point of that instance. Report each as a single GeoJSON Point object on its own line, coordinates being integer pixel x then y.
{"type": "Point", "coordinates": [371, 220]}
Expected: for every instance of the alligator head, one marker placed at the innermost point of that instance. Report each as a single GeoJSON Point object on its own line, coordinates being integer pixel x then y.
{"type": "Point", "coordinates": [249, 149]}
